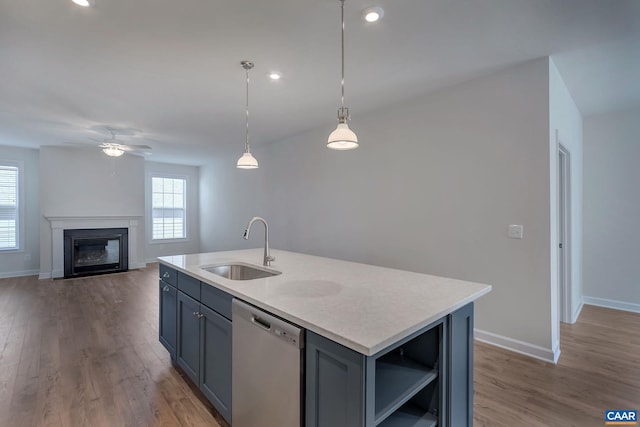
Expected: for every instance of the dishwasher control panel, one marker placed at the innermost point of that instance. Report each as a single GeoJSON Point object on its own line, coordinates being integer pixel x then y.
{"type": "Point", "coordinates": [293, 339]}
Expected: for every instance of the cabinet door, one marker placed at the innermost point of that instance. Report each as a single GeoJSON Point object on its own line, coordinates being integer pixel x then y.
{"type": "Point", "coordinates": [334, 384]}
{"type": "Point", "coordinates": [215, 361]}
{"type": "Point", "coordinates": [188, 348]}
{"type": "Point", "coordinates": [168, 319]}
{"type": "Point", "coordinates": [460, 369]}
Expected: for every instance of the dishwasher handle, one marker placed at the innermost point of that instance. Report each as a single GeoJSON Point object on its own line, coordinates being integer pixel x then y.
{"type": "Point", "coordinates": [264, 324]}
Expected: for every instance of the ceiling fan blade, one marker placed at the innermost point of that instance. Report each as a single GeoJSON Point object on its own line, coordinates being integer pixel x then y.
{"type": "Point", "coordinates": [127, 147]}
{"type": "Point", "coordinates": [78, 144]}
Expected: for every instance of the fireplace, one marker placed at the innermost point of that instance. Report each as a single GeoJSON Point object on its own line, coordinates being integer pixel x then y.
{"type": "Point", "coordinates": [95, 251]}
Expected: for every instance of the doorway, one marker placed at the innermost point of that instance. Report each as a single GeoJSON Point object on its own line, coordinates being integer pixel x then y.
{"type": "Point", "coordinates": [564, 233]}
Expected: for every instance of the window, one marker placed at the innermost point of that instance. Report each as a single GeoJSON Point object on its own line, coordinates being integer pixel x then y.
{"type": "Point", "coordinates": [9, 206]}
{"type": "Point", "coordinates": [168, 208]}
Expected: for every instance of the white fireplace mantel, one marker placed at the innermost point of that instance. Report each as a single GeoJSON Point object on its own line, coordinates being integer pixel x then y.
{"type": "Point", "coordinates": [61, 223]}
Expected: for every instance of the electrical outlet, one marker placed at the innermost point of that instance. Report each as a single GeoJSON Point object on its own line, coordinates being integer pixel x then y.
{"type": "Point", "coordinates": [515, 231]}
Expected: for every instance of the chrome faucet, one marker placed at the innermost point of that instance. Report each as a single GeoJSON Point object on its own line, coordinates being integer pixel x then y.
{"type": "Point", "coordinates": [267, 257]}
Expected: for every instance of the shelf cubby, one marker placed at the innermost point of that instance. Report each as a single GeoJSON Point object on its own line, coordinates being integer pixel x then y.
{"type": "Point", "coordinates": [404, 372]}
{"type": "Point", "coordinates": [398, 379]}
{"type": "Point", "coordinates": [420, 411]}
{"type": "Point", "coordinates": [410, 415]}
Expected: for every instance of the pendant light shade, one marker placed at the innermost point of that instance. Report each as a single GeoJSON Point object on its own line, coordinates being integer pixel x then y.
{"type": "Point", "coordinates": [247, 161]}
{"type": "Point", "coordinates": [342, 138]}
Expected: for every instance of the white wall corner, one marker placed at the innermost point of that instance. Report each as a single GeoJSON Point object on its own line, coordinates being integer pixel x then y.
{"type": "Point", "coordinates": [556, 351]}
{"type": "Point", "coordinates": [616, 305]}
{"type": "Point", "coordinates": [578, 310]}
{"type": "Point", "coordinates": [527, 349]}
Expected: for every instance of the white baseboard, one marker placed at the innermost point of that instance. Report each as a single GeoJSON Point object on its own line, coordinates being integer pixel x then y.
{"type": "Point", "coordinates": [609, 303]}
{"type": "Point", "coordinates": [576, 314]}
{"type": "Point", "coordinates": [19, 273]}
{"type": "Point", "coordinates": [152, 260]}
{"type": "Point", "coordinates": [43, 276]}
{"type": "Point", "coordinates": [531, 350]}
{"type": "Point", "coordinates": [136, 265]}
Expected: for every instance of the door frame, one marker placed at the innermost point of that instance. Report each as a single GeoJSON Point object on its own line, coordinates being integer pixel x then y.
{"type": "Point", "coordinates": [564, 234]}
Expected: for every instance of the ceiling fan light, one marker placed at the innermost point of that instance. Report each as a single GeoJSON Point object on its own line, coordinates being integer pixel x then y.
{"type": "Point", "coordinates": [83, 3]}
{"type": "Point", "coordinates": [342, 138]}
{"type": "Point", "coordinates": [247, 161]}
{"type": "Point", "coordinates": [373, 14]}
{"type": "Point", "coordinates": [113, 151]}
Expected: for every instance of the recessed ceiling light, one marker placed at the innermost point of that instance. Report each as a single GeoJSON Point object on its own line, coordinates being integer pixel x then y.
{"type": "Point", "coordinates": [275, 75]}
{"type": "Point", "coordinates": [373, 14]}
{"type": "Point", "coordinates": [83, 3]}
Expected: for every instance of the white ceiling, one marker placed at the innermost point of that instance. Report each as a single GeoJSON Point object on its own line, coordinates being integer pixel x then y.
{"type": "Point", "coordinates": [169, 71]}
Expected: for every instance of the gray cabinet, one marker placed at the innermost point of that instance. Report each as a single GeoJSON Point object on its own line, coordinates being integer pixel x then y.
{"type": "Point", "coordinates": [201, 334]}
{"type": "Point", "coordinates": [169, 275]}
{"type": "Point", "coordinates": [424, 380]}
{"type": "Point", "coordinates": [188, 349]}
{"type": "Point", "coordinates": [167, 327]}
{"type": "Point", "coordinates": [335, 384]}
{"type": "Point", "coordinates": [215, 360]}
{"type": "Point", "coordinates": [460, 372]}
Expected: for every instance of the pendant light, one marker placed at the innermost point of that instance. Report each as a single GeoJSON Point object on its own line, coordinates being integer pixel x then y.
{"type": "Point", "coordinates": [342, 138]}
{"type": "Point", "coordinates": [247, 161]}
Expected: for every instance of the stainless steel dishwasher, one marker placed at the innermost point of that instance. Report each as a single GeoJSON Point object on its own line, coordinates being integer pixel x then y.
{"type": "Point", "coordinates": [266, 369]}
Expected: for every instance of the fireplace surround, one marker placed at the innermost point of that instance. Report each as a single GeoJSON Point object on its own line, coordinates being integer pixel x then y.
{"type": "Point", "coordinates": [59, 224]}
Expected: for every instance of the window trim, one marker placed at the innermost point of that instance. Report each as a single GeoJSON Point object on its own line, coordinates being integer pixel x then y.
{"type": "Point", "coordinates": [149, 197]}
{"type": "Point", "coordinates": [20, 216]}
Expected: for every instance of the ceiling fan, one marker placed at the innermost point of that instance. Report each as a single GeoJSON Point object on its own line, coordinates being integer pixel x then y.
{"type": "Point", "coordinates": [113, 148]}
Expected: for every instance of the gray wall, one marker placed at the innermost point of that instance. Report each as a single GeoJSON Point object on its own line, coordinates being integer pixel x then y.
{"type": "Point", "coordinates": [26, 261]}
{"type": "Point", "coordinates": [612, 209]}
{"type": "Point", "coordinates": [432, 189]}
{"type": "Point", "coordinates": [192, 243]}
{"type": "Point", "coordinates": [229, 198]}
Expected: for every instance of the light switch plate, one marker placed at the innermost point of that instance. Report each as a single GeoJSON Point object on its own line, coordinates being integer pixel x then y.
{"type": "Point", "coordinates": [515, 231]}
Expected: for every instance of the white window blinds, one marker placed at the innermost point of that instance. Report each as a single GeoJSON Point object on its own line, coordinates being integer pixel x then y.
{"type": "Point", "coordinates": [8, 207]}
{"type": "Point", "coordinates": [168, 211]}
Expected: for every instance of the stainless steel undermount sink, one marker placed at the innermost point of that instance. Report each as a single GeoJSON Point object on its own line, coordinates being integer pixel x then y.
{"type": "Point", "coordinates": [240, 271]}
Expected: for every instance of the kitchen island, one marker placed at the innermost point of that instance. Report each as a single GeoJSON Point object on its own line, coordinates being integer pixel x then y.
{"type": "Point", "coordinates": [383, 346]}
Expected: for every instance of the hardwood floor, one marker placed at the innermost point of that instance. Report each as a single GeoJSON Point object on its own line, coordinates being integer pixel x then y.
{"type": "Point", "coordinates": [85, 352]}
{"type": "Point", "coordinates": [598, 369]}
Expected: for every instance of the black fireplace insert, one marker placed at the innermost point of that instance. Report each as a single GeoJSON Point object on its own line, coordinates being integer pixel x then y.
{"type": "Point", "coordinates": [95, 251]}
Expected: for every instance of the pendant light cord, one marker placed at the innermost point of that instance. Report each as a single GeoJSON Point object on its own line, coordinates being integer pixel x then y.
{"type": "Point", "coordinates": [342, 19]}
{"type": "Point", "coordinates": [246, 144]}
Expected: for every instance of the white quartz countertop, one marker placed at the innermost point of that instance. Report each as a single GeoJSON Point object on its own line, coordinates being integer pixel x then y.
{"type": "Point", "coordinates": [363, 307]}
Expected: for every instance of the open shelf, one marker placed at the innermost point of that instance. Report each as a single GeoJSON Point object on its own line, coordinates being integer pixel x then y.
{"type": "Point", "coordinates": [410, 415]}
{"type": "Point", "coordinates": [398, 379]}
